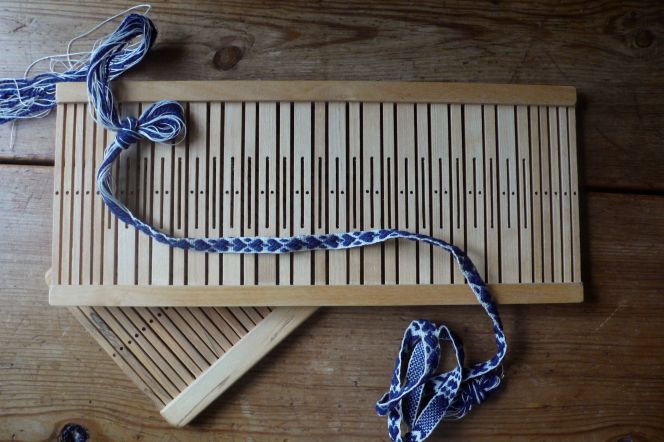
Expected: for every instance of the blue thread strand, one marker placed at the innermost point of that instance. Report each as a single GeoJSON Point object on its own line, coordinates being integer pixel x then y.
{"type": "Point", "coordinates": [418, 396]}
{"type": "Point", "coordinates": [27, 97]}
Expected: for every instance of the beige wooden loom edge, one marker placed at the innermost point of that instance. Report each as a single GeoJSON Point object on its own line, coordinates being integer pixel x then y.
{"type": "Point", "coordinates": [234, 364]}
{"type": "Point", "coordinates": [319, 296]}
{"type": "Point", "coordinates": [367, 91]}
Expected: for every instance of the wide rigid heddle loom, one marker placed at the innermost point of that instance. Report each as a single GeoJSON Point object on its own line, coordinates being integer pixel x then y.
{"type": "Point", "coordinates": [489, 168]}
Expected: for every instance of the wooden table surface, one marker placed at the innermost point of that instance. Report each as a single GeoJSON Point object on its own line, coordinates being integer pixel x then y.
{"type": "Point", "coordinates": [586, 371]}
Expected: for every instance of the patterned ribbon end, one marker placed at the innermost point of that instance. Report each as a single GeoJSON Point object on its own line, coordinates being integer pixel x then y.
{"type": "Point", "coordinates": [420, 396]}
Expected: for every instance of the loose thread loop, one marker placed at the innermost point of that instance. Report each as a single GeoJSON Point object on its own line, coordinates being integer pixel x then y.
{"type": "Point", "coordinates": [23, 98]}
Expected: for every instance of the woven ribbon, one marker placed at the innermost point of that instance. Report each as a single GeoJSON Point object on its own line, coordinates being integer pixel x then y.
{"type": "Point", "coordinates": [419, 397]}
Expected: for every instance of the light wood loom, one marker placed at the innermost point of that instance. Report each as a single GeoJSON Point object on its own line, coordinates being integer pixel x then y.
{"type": "Point", "coordinates": [489, 168]}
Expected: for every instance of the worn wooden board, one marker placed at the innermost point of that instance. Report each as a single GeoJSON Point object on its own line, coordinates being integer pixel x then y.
{"type": "Point", "coordinates": [610, 50]}
{"type": "Point", "coordinates": [573, 371]}
{"type": "Point", "coordinates": [489, 168]}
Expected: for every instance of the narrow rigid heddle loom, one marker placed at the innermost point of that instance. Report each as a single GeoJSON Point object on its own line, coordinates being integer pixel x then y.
{"type": "Point", "coordinates": [489, 168]}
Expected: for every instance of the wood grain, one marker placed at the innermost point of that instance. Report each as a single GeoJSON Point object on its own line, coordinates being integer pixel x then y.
{"type": "Point", "coordinates": [302, 295]}
{"type": "Point", "coordinates": [366, 91]}
{"type": "Point", "coordinates": [611, 51]}
{"type": "Point", "coordinates": [573, 371]}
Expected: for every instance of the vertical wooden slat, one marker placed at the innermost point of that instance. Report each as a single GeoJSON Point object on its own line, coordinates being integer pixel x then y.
{"type": "Point", "coordinates": [196, 208]}
{"type": "Point", "coordinates": [180, 203]}
{"type": "Point", "coordinates": [509, 210]}
{"type": "Point", "coordinates": [60, 161]}
{"type": "Point", "coordinates": [110, 228]}
{"type": "Point", "coordinates": [144, 207]}
{"type": "Point", "coordinates": [267, 187]}
{"type": "Point", "coordinates": [457, 194]}
{"type": "Point", "coordinates": [127, 235]}
{"type": "Point", "coordinates": [284, 188]}
{"type": "Point", "coordinates": [374, 194]}
{"type": "Point", "coordinates": [215, 189]}
{"type": "Point", "coordinates": [492, 190]}
{"type": "Point", "coordinates": [303, 176]}
{"type": "Point", "coordinates": [474, 195]}
{"type": "Point", "coordinates": [233, 179]}
{"type": "Point", "coordinates": [87, 197]}
{"type": "Point", "coordinates": [98, 207]}
{"type": "Point", "coordinates": [249, 190]}
{"type": "Point", "coordinates": [565, 195]}
{"type": "Point", "coordinates": [535, 156]}
{"type": "Point", "coordinates": [354, 196]}
{"type": "Point", "coordinates": [336, 197]}
{"type": "Point", "coordinates": [405, 171]}
{"type": "Point", "coordinates": [524, 203]}
{"type": "Point", "coordinates": [68, 194]}
{"type": "Point", "coordinates": [422, 198]}
{"type": "Point", "coordinates": [320, 188]}
{"type": "Point", "coordinates": [77, 197]}
{"type": "Point", "coordinates": [440, 174]}
{"type": "Point", "coordinates": [556, 203]}
{"type": "Point", "coordinates": [163, 211]}
{"type": "Point", "coordinates": [574, 189]}
{"type": "Point", "coordinates": [547, 238]}
{"type": "Point", "coordinates": [389, 191]}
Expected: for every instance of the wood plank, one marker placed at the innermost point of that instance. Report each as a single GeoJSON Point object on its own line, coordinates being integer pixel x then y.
{"type": "Point", "coordinates": [232, 264]}
{"type": "Point", "coordinates": [215, 212]}
{"type": "Point", "coordinates": [324, 295]}
{"type": "Point", "coordinates": [249, 195]}
{"type": "Point", "coordinates": [286, 179]}
{"type": "Point", "coordinates": [457, 186]}
{"type": "Point", "coordinates": [45, 349]}
{"type": "Point", "coordinates": [474, 177]}
{"type": "Point", "coordinates": [441, 207]}
{"type": "Point", "coordinates": [372, 180]}
{"type": "Point", "coordinates": [303, 215]}
{"type": "Point", "coordinates": [127, 236]}
{"type": "Point", "coordinates": [491, 165]}
{"type": "Point", "coordinates": [353, 184]}
{"type": "Point", "coordinates": [524, 172]}
{"type": "Point", "coordinates": [267, 162]}
{"type": "Point", "coordinates": [389, 190]}
{"type": "Point", "coordinates": [58, 186]}
{"type": "Point", "coordinates": [404, 173]}
{"type": "Point", "coordinates": [336, 147]}
{"type": "Point", "coordinates": [196, 207]}
{"type": "Point", "coordinates": [555, 194]}
{"type": "Point", "coordinates": [422, 197]}
{"type": "Point", "coordinates": [320, 187]}
{"type": "Point", "coordinates": [507, 197]}
{"type": "Point", "coordinates": [535, 158]}
{"type": "Point", "coordinates": [330, 91]}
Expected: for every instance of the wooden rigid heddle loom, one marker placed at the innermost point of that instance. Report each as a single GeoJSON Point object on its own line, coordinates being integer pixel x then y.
{"type": "Point", "coordinates": [489, 168]}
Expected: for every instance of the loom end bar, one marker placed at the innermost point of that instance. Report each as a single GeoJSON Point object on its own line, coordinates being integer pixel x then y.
{"type": "Point", "coordinates": [318, 296]}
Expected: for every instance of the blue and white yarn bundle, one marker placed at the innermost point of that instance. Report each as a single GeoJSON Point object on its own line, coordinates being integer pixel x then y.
{"type": "Point", "coordinates": [419, 397]}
